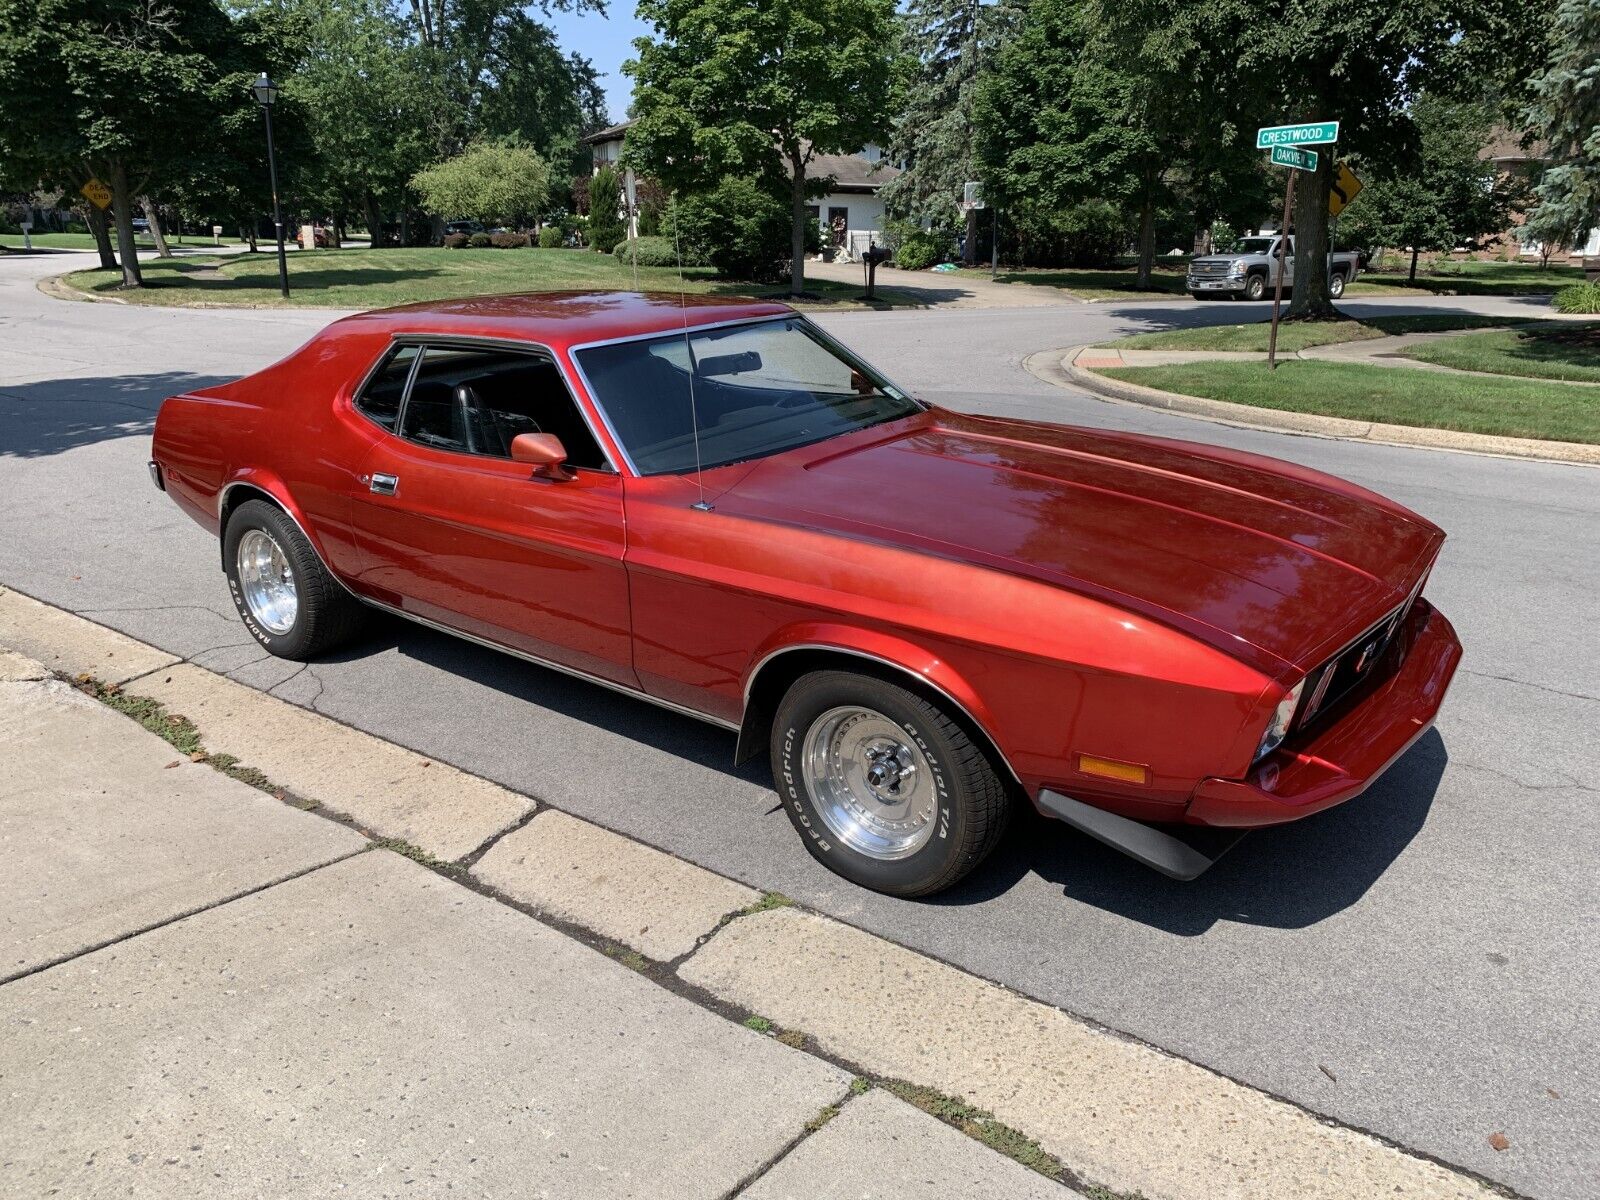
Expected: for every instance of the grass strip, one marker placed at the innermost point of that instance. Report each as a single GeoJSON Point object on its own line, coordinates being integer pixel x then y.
{"type": "Point", "coordinates": [1551, 350]}
{"type": "Point", "coordinates": [1468, 403]}
{"type": "Point", "coordinates": [1300, 335]}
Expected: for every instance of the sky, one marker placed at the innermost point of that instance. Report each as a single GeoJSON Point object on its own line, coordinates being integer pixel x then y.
{"type": "Point", "coordinates": [608, 43]}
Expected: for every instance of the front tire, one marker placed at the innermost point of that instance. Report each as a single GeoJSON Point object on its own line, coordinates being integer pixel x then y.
{"type": "Point", "coordinates": [1255, 287]}
{"type": "Point", "coordinates": [285, 596]}
{"type": "Point", "coordinates": [884, 787]}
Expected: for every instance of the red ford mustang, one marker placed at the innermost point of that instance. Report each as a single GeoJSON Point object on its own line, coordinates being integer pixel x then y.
{"type": "Point", "coordinates": [921, 616]}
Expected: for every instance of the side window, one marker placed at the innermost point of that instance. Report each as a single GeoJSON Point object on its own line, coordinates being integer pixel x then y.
{"type": "Point", "coordinates": [476, 400]}
{"type": "Point", "coordinates": [380, 399]}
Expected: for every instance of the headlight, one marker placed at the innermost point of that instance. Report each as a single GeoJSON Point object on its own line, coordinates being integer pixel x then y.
{"type": "Point", "coordinates": [1278, 727]}
{"type": "Point", "coordinates": [1236, 267]}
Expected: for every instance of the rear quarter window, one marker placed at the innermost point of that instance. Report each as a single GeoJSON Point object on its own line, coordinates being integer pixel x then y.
{"type": "Point", "coordinates": [380, 399]}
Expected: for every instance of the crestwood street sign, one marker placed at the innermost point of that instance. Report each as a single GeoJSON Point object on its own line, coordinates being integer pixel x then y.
{"type": "Point", "coordinates": [1299, 160]}
{"type": "Point", "coordinates": [1321, 133]}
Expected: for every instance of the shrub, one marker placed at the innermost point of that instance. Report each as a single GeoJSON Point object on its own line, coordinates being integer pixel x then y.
{"type": "Point", "coordinates": [1091, 234]}
{"type": "Point", "coordinates": [740, 227]}
{"type": "Point", "coordinates": [656, 252]}
{"type": "Point", "coordinates": [454, 241]}
{"type": "Point", "coordinates": [480, 241]}
{"type": "Point", "coordinates": [1578, 298]}
{"type": "Point", "coordinates": [917, 249]}
{"type": "Point", "coordinates": [605, 209]}
{"type": "Point", "coordinates": [550, 238]}
{"type": "Point", "coordinates": [508, 241]}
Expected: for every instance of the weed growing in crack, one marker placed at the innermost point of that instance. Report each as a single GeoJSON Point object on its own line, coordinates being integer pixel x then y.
{"type": "Point", "coordinates": [759, 1024]}
{"type": "Point", "coordinates": [976, 1123]}
{"type": "Point", "coordinates": [768, 902]}
{"type": "Point", "coordinates": [418, 855]}
{"type": "Point", "coordinates": [822, 1118]}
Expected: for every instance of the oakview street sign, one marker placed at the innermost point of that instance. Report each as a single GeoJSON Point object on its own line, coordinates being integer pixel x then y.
{"type": "Point", "coordinates": [1299, 160]}
{"type": "Point", "coordinates": [1320, 133]}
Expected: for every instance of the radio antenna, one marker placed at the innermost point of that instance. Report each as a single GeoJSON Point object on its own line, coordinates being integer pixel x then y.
{"type": "Point", "coordinates": [694, 413]}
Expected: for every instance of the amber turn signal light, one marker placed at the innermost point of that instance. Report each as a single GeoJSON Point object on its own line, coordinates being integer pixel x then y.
{"type": "Point", "coordinates": [1111, 768]}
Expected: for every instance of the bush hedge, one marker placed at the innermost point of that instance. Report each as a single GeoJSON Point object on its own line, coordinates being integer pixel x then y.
{"type": "Point", "coordinates": [480, 241]}
{"type": "Point", "coordinates": [551, 238]}
{"type": "Point", "coordinates": [1578, 298]}
{"type": "Point", "coordinates": [741, 227]}
{"type": "Point", "coordinates": [454, 241]}
{"type": "Point", "coordinates": [656, 252]}
{"type": "Point", "coordinates": [917, 249]}
{"type": "Point", "coordinates": [509, 241]}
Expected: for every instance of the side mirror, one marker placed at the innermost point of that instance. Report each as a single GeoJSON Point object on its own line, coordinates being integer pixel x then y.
{"type": "Point", "coordinates": [544, 452]}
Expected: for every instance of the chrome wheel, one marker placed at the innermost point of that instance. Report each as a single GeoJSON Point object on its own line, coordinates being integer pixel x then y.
{"type": "Point", "coordinates": [267, 581]}
{"type": "Point", "coordinates": [870, 783]}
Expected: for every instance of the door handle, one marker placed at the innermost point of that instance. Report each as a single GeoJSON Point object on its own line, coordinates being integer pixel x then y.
{"type": "Point", "coordinates": [384, 485]}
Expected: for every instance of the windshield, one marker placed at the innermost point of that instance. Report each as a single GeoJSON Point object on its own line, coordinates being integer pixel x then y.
{"type": "Point", "coordinates": [1255, 245]}
{"type": "Point", "coordinates": [757, 390]}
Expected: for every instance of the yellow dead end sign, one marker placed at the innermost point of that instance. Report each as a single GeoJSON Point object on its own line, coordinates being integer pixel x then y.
{"type": "Point", "coordinates": [96, 193]}
{"type": "Point", "coordinates": [1345, 188]}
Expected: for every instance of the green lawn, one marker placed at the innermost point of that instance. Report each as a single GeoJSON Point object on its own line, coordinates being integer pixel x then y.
{"type": "Point", "coordinates": [1550, 350]}
{"type": "Point", "coordinates": [380, 278]}
{"type": "Point", "coordinates": [1467, 279]}
{"type": "Point", "coordinates": [85, 241]}
{"type": "Point", "coordinates": [1508, 407]}
{"type": "Point", "coordinates": [1298, 335]}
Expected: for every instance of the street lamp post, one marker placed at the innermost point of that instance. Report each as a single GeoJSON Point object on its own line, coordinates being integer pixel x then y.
{"type": "Point", "coordinates": [266, 92]}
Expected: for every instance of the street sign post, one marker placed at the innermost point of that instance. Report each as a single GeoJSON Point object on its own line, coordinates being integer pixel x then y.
{"type": "Point", "coordinates": [96, 193]}
{"type": "Point", "coordinates": [1344, 189]}
{"type": "Point", "coordinates": [1294, 159]}
{"type": "Point", "coordinates": [1318, 133]}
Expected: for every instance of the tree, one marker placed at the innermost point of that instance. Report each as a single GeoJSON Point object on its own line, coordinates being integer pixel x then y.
{"type": "Point", "coordinates": [605, 210]}
{"type": "Point", "coordinates": [1356, 61]}
{"type": "Point", "coordinates": [1565, 112]}
{"type": "Point", "coordinates": [115, 88]}
{"type": "Point", "coordinates": [487, 182]}
{"type": "Point", "coordinates": [951, 42]}
{"type": "Point", "coordinates": [758, 89]}
{"type": "Point", "coordinates": [1064, 119]}
{"type": "Point", "coordinates": [1452, 197]}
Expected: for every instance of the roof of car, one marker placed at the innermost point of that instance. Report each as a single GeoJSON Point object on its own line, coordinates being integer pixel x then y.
{"type": "Point", "coordinates": [565, 319]}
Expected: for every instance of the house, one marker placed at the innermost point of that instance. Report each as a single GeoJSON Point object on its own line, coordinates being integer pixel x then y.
{"type": "Point", "coordinates": [849, 217]}
{"type": "Point", "coordinates": [1510, 156]}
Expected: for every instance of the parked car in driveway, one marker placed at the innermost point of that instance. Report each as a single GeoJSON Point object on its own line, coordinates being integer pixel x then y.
{"type": "Point", "coordinates": [922, 617]}
{"type": "Point", "coordinates": [1250, 272]}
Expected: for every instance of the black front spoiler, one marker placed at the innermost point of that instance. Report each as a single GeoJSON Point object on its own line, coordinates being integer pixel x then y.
{"type": "Point", "coordinates": [1179, 852]}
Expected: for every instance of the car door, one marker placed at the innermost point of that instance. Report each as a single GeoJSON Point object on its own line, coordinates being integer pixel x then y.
{"type": "Point", "coordinates": [449, 529]}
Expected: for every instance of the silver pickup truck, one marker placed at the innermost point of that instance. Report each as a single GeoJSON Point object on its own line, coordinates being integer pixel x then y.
{"type": "Point", "coordinates": [1251, 270]}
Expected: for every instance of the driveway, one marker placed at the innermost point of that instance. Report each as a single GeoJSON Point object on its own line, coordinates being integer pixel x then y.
{"type": "Point", "coordinates": [1423, 962]}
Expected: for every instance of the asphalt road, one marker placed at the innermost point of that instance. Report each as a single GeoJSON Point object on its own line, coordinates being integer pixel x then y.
{"type": "Point", "coordinates": [1423, 962]}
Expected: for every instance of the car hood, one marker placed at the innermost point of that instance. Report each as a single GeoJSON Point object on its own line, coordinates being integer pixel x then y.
{"type": "Point", "coordinates": [1228, 546]}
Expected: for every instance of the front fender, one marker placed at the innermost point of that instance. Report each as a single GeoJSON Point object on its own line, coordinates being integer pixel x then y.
{"type": "Point", "coordinates": [899, 654]}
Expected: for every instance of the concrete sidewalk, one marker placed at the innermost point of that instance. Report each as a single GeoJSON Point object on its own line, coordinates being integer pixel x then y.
{"type": "Point", "coordinates": [210, 993]}
{"type": "Point", "coordinates": [435, 982]}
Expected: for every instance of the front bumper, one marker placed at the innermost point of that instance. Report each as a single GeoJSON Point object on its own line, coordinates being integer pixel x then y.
{"type": "Point", "coordinates": [1215, 283]}
{"type": "Point", "coordinates": [1341, 760]}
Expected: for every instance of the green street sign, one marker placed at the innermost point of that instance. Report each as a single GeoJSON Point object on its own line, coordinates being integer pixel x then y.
{"type": "Point", "coordinates": [1299, 160]}
{"type": "Point", "coordinates": [1323, 133]}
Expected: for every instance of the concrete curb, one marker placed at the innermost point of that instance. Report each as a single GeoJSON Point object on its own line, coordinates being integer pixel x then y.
{"type": "Point", "coordinates": [1057, 367]}
{"type": "Point", "coordinates": [1113, 1109]}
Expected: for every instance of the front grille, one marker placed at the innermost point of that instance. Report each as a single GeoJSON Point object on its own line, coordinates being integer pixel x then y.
{"type": "Point", "coordinates": [1208, 269]}
{"type": "Point", "coordinates": [1353, 665]}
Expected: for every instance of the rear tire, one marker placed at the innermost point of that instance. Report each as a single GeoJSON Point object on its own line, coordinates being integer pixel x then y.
{"type": "Point", "coordinates": [884, 787]}
{"type": "Point", "coordinates": [1336, 285]}
{"type": "Point", "coordinates": [285, 596]}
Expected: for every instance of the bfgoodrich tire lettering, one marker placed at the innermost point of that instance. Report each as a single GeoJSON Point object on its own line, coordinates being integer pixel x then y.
{"type": "Point", "coordinates": [962, 803]}
{"type": "Point", "coordinates": [325, 615]}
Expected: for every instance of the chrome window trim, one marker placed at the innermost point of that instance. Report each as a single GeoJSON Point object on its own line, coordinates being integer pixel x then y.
{"type": "Point", "coordinates": [689, 330]}
{"type": "Point", "coordinates": [610, 684]}
{"type": "Point", "coordinates": [371, 374]}
{"type": "Point", "coordinates": [755, 673]}
{"type": "Point", "coordinates": [444, 341]}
